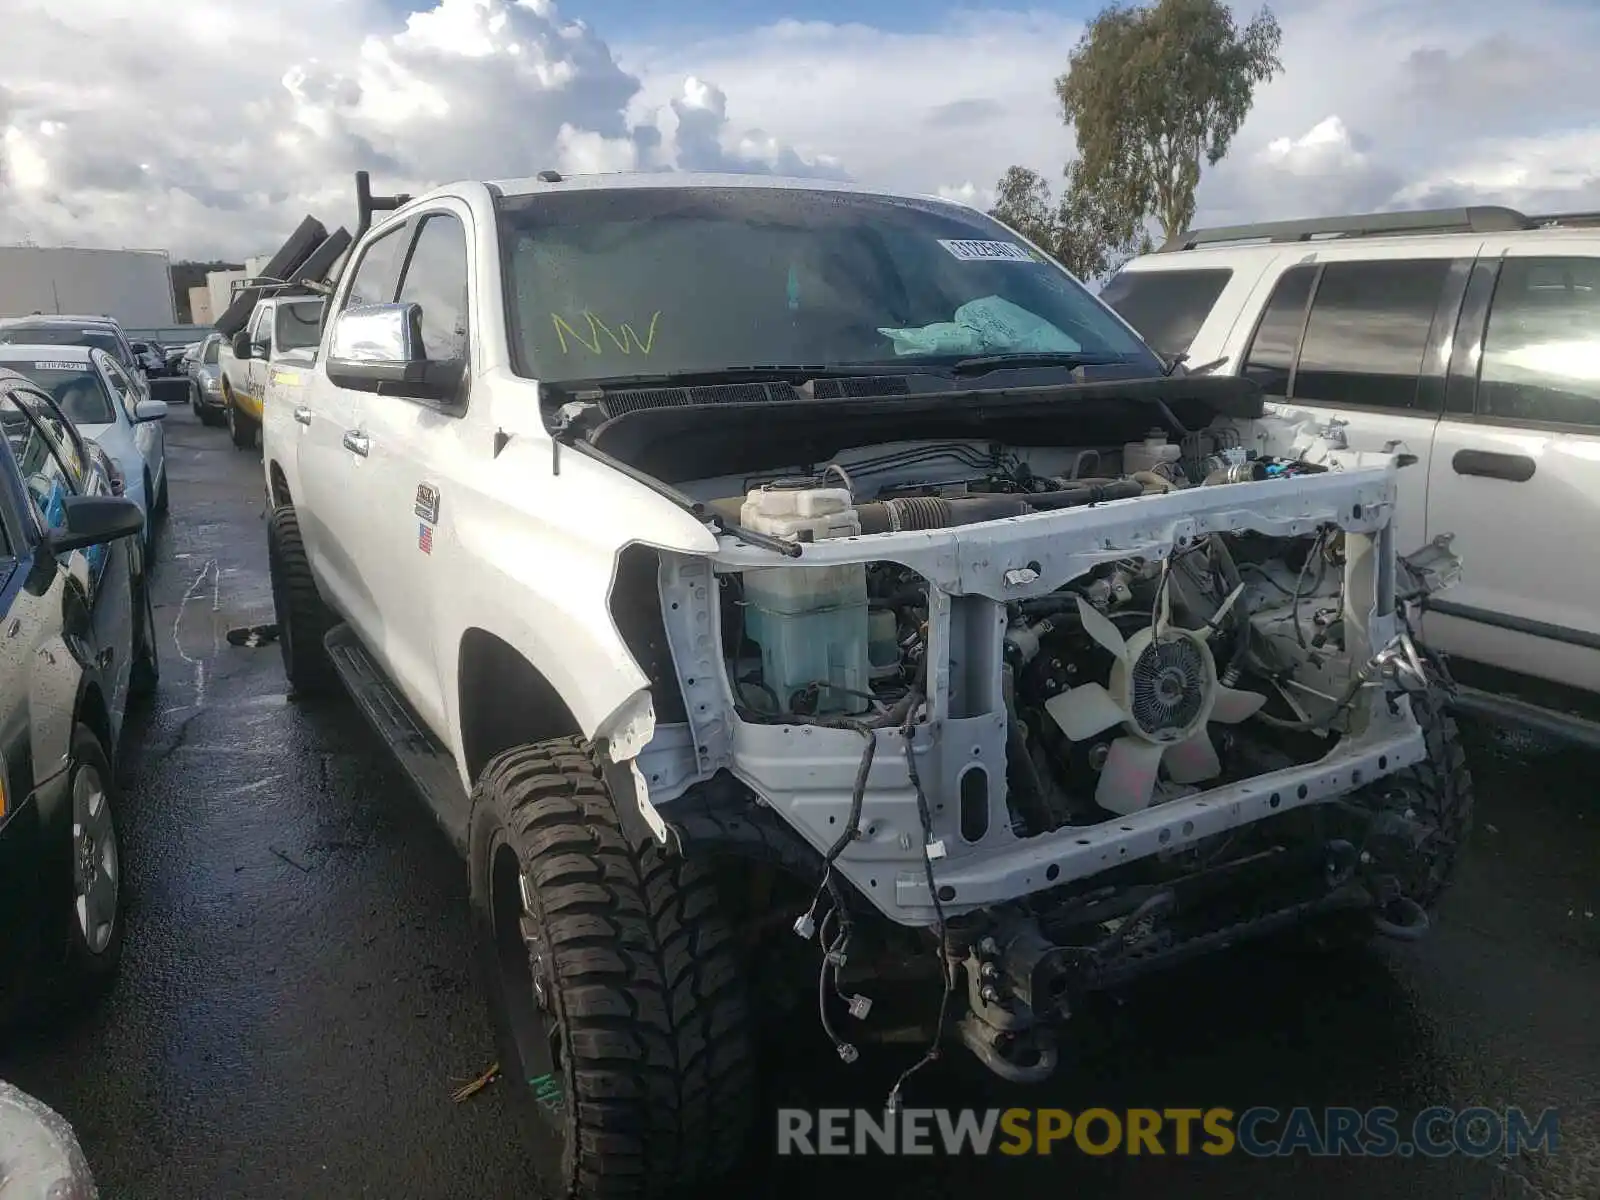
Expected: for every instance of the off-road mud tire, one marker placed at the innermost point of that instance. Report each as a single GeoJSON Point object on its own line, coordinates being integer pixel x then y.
{"type": "Point", "coordinates": [303, 617]}
{"type": "Point", "coordinates": [644, 992]}
{"type": "Point", "coordinates": [1444, 785]}
{"type": "Point", "coordinates": [1444, 799]}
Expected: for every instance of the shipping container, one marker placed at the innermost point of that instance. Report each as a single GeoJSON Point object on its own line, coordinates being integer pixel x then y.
{"type": "Point", "coordinates": [134, 286]}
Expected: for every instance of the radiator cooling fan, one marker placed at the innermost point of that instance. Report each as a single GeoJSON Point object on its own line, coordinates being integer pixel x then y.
{"type": "Point", "coordinates": [1163, 690]}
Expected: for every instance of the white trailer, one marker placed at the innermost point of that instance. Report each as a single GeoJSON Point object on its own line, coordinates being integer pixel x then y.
{"type": "Point", "coordinates": [134, 286]}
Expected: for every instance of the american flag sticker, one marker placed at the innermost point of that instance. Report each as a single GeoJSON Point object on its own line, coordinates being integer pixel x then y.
{"type": "Point", "coordinates": [425, 537]}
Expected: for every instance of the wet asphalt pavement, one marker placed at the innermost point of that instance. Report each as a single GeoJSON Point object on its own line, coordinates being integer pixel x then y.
{"type": "Point", "coordinates": [297, 1004]}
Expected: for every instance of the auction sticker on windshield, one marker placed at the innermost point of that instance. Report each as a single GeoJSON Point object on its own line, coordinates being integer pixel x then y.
{"type": "Point", "coordinates": [968, 251]}
{"type": "Point", "coordinates": [57, 366]}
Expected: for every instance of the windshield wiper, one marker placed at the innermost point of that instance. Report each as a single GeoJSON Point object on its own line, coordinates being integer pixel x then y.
{"type": "Point", "coordinates": [796, 373]}
{"type": "Point", "coordinates": [1052, 358]}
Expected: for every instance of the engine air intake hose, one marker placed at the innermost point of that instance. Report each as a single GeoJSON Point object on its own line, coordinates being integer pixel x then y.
{"type": "Point", "coordinates": [937, 512]}
{"type": "Point", "coordinates": [1094, 493]}
{"type": "Point", "coordinates": [940, 512]}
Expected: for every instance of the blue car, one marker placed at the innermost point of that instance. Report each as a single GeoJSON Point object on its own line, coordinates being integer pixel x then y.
{"type": "Point", "coordinates": [77, 646]}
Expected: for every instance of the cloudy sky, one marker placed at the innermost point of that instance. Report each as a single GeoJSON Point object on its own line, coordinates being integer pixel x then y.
{"type": "Point", "coordinates": [209, 127]}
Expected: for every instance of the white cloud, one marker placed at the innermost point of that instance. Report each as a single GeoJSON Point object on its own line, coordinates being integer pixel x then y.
{"type": "Point", "coordinates": [207, 150]}
{"type": "Point", "coordinates": [184, 141]}
{"type": "Point", "coordinates": [967, 193]}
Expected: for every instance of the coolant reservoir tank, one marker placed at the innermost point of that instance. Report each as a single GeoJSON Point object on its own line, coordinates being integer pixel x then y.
{"type": "Point", "coordinates": [810, 622]}
{"type": "Point", "coordinates": [1150, 453]}
{"type": "Point", "coordinates": [800, 512]}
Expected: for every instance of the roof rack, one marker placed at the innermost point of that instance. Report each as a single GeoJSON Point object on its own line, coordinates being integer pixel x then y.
{"type": "Point", "coordinates": [265, 285]}
{"type": "Point", "coordinates": [367, 203]}
{"type": "Point", "coordinates": [1476, 219]}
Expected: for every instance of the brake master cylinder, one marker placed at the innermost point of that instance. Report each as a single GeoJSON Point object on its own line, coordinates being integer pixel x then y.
{"type": "Point", "coordinates": [810, 622]}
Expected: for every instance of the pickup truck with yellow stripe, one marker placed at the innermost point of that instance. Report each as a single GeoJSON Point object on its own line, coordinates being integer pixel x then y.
{"type": "Point", "coordinates": [282, 331]}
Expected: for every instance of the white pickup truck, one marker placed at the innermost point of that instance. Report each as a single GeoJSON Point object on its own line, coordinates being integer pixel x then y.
{"type": "Point", "coordinates": [280, 326]}
{"type": "Point", "coordinates": [923, 645]}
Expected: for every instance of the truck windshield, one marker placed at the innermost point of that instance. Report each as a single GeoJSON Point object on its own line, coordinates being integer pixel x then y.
{"type": "Point", "coordinates": [686, 280]}
{"type": "Point", "coordinates": [62, 335]}
{"type": "Point", "coordinates": [298, 325]}
{"type": "Point", "coordinates": [77, 388]}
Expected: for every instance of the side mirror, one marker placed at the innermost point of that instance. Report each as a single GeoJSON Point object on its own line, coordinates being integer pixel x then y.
{"type": "Point", "coordinates": [150, 410]}
{"type": "Point", "coordinates": [378, 347]}
{"type": "Point", "coordinates": [94, 521]}
{"type": "Point", "coordinates": [240, 344]}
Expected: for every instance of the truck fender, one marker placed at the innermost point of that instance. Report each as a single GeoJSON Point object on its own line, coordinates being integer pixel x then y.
{"type": "Point", "coordinates": [565, 636]}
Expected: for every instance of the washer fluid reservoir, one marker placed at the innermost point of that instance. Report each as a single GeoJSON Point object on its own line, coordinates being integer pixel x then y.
{"type": "Point", "coordinates": [810, 622]}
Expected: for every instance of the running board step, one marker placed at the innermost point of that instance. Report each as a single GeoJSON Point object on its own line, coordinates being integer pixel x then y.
{"type": "Point", "coordinates": [1515, 712]}
{"type": "Point", "coordinates": [430, 767]}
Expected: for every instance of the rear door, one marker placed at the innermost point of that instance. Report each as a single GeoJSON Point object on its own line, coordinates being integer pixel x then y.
{"type": "Point", "coordinates": [1366, 343]}
{"type": "Point", "coordinates": [1516, 469]}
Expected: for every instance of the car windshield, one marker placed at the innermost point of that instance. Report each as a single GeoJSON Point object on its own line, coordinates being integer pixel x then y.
{"type": "Point", "coordinates": [77, 387]}
{"type": "Point", "coordinates": [298, 325]}
{"type": "Point", "coordinates": [684, 280]}
{"type": "Point", "coordinates": [209, 355]}
{"type": "Point", "coordinates": [61, 335]}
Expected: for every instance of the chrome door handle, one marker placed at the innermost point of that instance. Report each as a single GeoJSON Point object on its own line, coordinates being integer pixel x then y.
{"type": "Point", "coordinates": [356, 442]}
{"type": "Point", "coordinates": [302, 414]}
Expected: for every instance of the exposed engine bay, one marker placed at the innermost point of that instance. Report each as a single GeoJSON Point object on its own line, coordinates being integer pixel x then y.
{"type": "Point", "coordinates": [1075, 710]}
{"type": "Point", "coordinates": [1123, 689]}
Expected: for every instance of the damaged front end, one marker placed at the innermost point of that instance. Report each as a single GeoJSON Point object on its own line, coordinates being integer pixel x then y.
{"type": "Point", "coordinates": [1074, 727]}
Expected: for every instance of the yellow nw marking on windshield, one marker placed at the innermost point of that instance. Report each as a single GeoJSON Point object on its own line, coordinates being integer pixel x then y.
{"type": "Point", "coordinates": [626, 343]}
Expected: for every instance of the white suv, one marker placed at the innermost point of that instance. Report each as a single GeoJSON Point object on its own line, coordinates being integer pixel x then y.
{"type": "Point", "coordinates": [1469, 338]}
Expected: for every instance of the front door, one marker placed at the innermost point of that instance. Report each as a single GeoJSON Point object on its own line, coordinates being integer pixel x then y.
{"type": "Point", "coordinates": [25, 622]}
{"type": "Point", "coordinates": [258, 365]}
{"type": "Point", "coordinates": [339, 509]}
{"type": "Point", "coordinates": [56, 467]}
{"type": "Point", "coordinates": [415, 448]}
{"type": "Point", "coordinates": [148, 436]}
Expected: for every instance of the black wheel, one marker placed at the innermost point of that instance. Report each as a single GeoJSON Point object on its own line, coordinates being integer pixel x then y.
{"type": "Point", "coordinates": [240, 427]}
{"type": "Point", "coordinates": [160, 507]}
{"type": "Point", "coordinates": [194, 400]}
{"type": "Point", "coordinates": [617, 1000]}
{"type": "Point", "coordinates": [145, 674]}
{"type": "Point", "coordinates": [90, 927]}
{"type": "Point", "coordinates": [303, 618]}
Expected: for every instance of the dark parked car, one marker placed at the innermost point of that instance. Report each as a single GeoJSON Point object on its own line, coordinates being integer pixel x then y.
{"type": "Point", "coordinates": [152, 357]}
{"type": "Point", "coordinates": [77, 644]}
